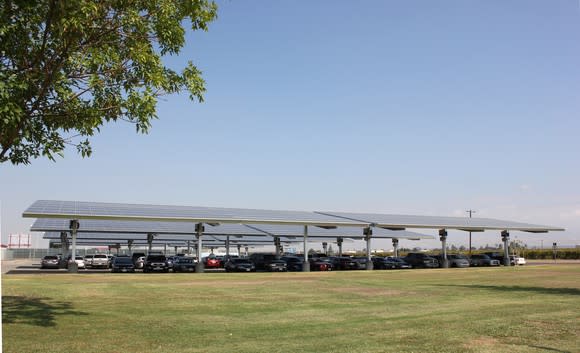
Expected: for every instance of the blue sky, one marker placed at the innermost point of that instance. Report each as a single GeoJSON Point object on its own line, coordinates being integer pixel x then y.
{"type": "Point", "coordinates": [410, 107]}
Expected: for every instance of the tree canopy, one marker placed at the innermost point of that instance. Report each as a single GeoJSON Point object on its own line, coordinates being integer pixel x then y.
{"type": "Point", "coordinates": [69, 67]}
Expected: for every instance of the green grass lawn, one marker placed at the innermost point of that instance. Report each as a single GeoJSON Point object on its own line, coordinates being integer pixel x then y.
{"type": "Point", "coordinates": [526, 309]}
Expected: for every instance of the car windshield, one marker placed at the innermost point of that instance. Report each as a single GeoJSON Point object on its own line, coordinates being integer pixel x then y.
{"type": "Point", "coordinates": [50, 257]}
{"type": "Point", "coordinates": [123, 260]}
{"type": "Point", "coordinates": [241, 261]}
{"type": "Point", "coordinates": [156, 258]}
{"type": "Point", "coordinates": [100, 256]}
{"type": "Point", "coordinates": [184, 260]}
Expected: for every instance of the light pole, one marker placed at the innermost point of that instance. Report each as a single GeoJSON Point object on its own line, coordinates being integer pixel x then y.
{"type": "Point", "coordinates": [470, 212]}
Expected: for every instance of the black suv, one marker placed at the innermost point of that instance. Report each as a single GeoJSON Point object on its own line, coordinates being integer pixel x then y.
{"type": "Point", "coordinates": [268, 262]}
{"type": "Point", "coordinates": [420, 260]}
{"type": "Point", "coordinates": [122, 264]}
{"type": "Point", "coordinates": [155, 263]}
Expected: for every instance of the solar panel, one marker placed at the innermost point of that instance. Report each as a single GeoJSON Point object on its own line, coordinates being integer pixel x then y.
{"type": "Point", "coordinates": [118, 211]}
{"type": "Point", "coordinates": [462, 223]}
{"type": "Point", "coordinates": [322, 233]}
{"type": "Point", "coordinates": [108, 226]}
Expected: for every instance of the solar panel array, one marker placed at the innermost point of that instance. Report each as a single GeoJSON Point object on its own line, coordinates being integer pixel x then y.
{"type": "Point", "coordinates": [119, 211]}
{"type": "Point", "coordinates": [177, 223]}
{"type": "Point", "coordinates": [462, 223]}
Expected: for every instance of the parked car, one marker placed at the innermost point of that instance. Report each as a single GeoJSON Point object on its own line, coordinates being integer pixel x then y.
{"type": "Point", "coordinates": [88, 259]}
{"type": "Point", "coordinates": [79, 260]}
{"type": "Point", "coordinates": [420, 260]}
{"type": "Point", "coordinates": [516, 260]}
{"type": "Point", "coordinates": [183, 264]}
{"type": "Point", "coordinates": [383, 263]}
{"type": "Point", "coordinates": [122, 264]}
{"type": "Point", "coordinates": [100, 260]}
{"type": "Point", "coordinates": [49, 261]}
{"type": "Point", "coordinates": [212, 261]}
{"type": "Point", "coordinates": [170, 260]}
{"type": "Point", "coordinates": [495, 256]}
{"type": "Point", "coordinates": [399, 263]}
{"type": "Point", "coordinates": [139, 262]}
{"type": "Point", "coordinates": [319, 264]}
{"type": "Point", "coordinates": [239, 265]}
{"type": "Point", "coordinates": [343, 263]}
{"type": "Point", "coordinates": [482, 260]}
{"type": "Point", "coordinates": [454, 260]}
{"type": "Point", "coordinates": [275, 265]}
{"type": "Point", "coordinates": [155, 263]}
{"type": "Point", "coordinates": [136, 256]}
{"type": "Point", "coordinates": [293, 263]}
{"type": "Point", "coordinates": [361, 262]}
{"type": "Point", "coordinates": [268, 262]}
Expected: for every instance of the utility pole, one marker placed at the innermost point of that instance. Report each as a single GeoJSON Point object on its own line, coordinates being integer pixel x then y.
{"type": "Point", "coordinates": [470, 212]}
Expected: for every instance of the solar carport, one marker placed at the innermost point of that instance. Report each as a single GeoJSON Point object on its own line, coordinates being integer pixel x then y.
{"type": "Point", "coordinates": [198, 221]}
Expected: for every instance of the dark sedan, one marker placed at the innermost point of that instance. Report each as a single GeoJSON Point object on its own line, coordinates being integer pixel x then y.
{"type": "Point", "coordinates": [399, 263]}
{"type": "Point", "coordinates": [420, 260]}
{"type": "Point", "coordinates": [482, 260]}
{"type": "Point", "coordinates": [383, 263]}
{"type": "Point", "coordinates": [183, 264]}
{"type": "Point", "coordinates": [293, 263]}
{"type": "Point", "coordinates": [122, 264]}
{"type": "Point", "coordinates": [239, 265]}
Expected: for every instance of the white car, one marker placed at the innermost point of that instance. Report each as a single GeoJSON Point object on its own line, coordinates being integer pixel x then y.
{"type": "Point", "coordinates": [79, 260]}
{"type": "Point", "coordinates": [517, 261]}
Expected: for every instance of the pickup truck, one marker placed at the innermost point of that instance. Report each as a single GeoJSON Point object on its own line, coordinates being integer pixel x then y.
{"type": "Point", "coordinates": [155, 263]}
{"type": "Point", "coordinates": [100, 260]}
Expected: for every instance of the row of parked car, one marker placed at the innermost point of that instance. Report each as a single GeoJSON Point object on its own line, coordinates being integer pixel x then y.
{"type": "Point", "coordinates": [157, 262]}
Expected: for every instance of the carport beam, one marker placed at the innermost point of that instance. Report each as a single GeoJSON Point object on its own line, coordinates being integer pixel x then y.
{"type": "Point", "coordinates": [306, 264]}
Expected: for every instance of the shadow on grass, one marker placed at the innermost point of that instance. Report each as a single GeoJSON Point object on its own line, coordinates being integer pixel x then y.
{"type": "Point", "coordinates": [34, 311]}
{"type": "Point", "coordinates": [549, 349]}
{"type": "Point", "coordinates": [538, 290]}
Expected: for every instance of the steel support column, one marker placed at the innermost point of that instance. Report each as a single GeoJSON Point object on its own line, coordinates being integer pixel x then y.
{"type": "Point", "coordinates": [505, 236]}
{"type": "Point", "coordinates": [239, 250]}
{"type": "Point", "coordinates": [395, 247]}
{"type": "Point", "coordinates": [443, 238]}
{"type": "Point", "coordinates": [306, 263]}
{"type": "Point", "coordinates": [199, 267]}
{"type": "Point", "coordinates": [227, 247]}
{"type": "Point", "coordinates": [324, 248]}
{"type": "Point", "coordinates": [368, 233]}
{"type": "Point", "coordinates": [277, 245]}
{"type": "Point", "coordinates": [74, 227]}
{"type": "Point", "coordinates": [339, 241]}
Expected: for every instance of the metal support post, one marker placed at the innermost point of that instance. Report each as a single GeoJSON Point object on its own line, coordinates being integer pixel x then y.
{"type": "Point", "coordinates": [306, 264]}
{"type": "Point", "coordinates": [339, 241]}
{"type": "Point", "coordinates": [189, 247]}
{"type": "Point", "coordinates": [395, 247]}
{"type": "Point", "coordinates": [368, 233]}
{"type": "Point", "coordinates": [74, 227]}
{"type": "Point", "coordinates": [325, 248]}
{"type": "Point", "coordinates": [246, 248]}
{"type": "Point", "coordinates": [150, 237]}
{"type": "Point", "coordinates": [239, 250]}
{"type": "Point", "coordinates": [443, 238]}
{"type": "Point", "coordinates": [277, 246]}
{"type": "Point", "coordinates": [129, 244]}
{"type": "Point", "coordinates": [199, 267]}
{"type": "Point", "coordinates": [227, 247]}
{"type": "Point", "coordinates": [505, 236]}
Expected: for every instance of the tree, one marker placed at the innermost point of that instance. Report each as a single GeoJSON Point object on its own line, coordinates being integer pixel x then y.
{"type": "Point", "coordinates": [69, 67]}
